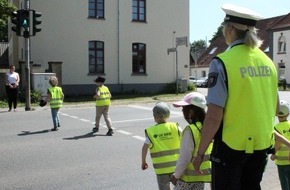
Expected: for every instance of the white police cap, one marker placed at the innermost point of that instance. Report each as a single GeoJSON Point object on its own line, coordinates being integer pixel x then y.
{"type": "Point", "coordinates": [240, 15]}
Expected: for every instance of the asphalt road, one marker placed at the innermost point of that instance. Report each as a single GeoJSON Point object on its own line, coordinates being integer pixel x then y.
{"type": "Point", "coordinates": [34, 158]}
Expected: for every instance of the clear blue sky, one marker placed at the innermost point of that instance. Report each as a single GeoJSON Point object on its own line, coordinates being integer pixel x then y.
{"type": "Point", "coordinates": [207, 15]}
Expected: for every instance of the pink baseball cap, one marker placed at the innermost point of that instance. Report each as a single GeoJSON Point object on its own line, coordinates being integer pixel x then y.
{"type": "Point", "coordinates": [193, 98]}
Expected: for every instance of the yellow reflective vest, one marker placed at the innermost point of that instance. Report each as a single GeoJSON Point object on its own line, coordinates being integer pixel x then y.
{"type": "Point", "coordinates": [282, 155]}
{"type": "Point", "coordinates": [190, 175]}
{"type": "Point", "coordinates": [55, 97]}
{"type": "Point", "coordinates": [105, 96]}
{"type": "Point", "coordinates": [164, 147]}
{"type": "Point", "coordinates": [249, 114]}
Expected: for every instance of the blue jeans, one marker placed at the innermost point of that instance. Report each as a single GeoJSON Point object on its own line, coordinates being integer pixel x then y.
{"type": "Point", "coordinates": [55, 117]}
{"type": "Point", "coordinates": [284, 176]}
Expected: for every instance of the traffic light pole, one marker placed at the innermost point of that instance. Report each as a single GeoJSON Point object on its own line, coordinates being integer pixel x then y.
{"type": "Point", "coordinates": [27, 63]}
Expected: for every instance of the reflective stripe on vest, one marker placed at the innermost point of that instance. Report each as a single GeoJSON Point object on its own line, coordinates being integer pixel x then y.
{"type": "Point", "coordinates": [252, 80]}
{"type": "Point", "coordinates": [282, 155]}
{"type": "Point", "coordinates": [56, 97]}
{"type": "Point", "coordinates": [164, 147]}
{"type": "Point", "coordinates": [105, 98]}
{"type": "Point", "coordinates": [190, 175]}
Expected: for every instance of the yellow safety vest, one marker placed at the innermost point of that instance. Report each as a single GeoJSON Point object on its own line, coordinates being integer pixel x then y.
{"type": "Point", "coordinates": [282, 155]}
{"type": "Point", "coordinates": [105, 97]}
{"type": "Point", "coordinates": [164, 148]}
{"type": "Point", "coordinates": [252, 97]}
{"type": "Point", "coordinates": [56, 97]}
{"type": "Point", "coordinates": [190, 175]}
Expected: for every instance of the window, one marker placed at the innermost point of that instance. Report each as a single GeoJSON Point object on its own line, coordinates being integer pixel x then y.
{"type": "Point", "coordinates": [139, 10]}
{"type": "Point", "coordinates": [96, 8]}
{"type": "Point", "coordinates": [282, 44]}
{"type": "Point", "coordinates": [96, 57]}
{"type": "Point", "coordinates": [138, 58]}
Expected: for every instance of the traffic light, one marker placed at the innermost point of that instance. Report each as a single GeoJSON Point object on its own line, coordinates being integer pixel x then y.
{"type": "Point", "coordinates": [24, 22]}
{"type": "Point", "coordinates": [21, 20]}
{"type": "Point", "coordinates": [15, 20]}
{"type": "Point", "coordinates": [35, 22]}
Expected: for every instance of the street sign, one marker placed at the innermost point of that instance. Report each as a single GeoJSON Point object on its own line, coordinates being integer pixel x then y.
{"type": "Point", "coordinates": [171, 50]}
{"type": "Point", "coordinates": [181, 41]}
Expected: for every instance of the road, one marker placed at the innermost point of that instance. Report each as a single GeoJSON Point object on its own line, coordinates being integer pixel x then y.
{"type": "Point", "coordinates": [34, 158]}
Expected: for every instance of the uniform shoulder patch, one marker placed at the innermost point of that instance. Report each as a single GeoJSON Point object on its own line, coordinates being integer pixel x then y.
{"type": "Point", "coordinates": [212, 79]}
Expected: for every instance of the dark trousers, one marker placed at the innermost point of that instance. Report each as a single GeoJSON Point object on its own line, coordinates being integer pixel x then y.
{"type": "Point", "coordinates": [284, 176]}
{"type": "Point", "coordinates": [12, 96]}
{"type": "Point", "coordinates": [236, 170]}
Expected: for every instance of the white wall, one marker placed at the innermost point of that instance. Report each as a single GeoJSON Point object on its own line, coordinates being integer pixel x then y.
{"type": "Point", "coordinates": [66, 31]}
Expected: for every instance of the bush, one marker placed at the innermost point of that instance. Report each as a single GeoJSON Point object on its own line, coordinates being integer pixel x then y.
{"type": "Point", "coordinates": [35, 96]}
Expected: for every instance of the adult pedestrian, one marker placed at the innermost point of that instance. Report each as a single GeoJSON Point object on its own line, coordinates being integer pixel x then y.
{"type": "Point", "coordinates": [242, 102]}
{"type": "Point", "coordinates": [12, 87]}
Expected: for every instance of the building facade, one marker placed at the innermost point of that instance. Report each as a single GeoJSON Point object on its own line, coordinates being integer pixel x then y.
{"type": "Point", "coordinates": [125, 41]}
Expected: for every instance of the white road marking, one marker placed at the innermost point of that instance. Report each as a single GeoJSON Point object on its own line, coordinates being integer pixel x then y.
{"type": "Point", "coordinates": [125, 121]}
{"type": "Point", "coordinates": [85, 120]}
{"type": "Point", "coordinates": [124, 132]}
{"type": "Point", "coordinates": [139, 138]}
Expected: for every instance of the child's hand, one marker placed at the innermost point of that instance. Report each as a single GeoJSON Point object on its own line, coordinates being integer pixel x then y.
{"type": "Point", "coordinates": [273, 157]}
{"type": "Point", "coordinates": [144, 166]}
{"type": "Point", "coordinates": [173, 180]}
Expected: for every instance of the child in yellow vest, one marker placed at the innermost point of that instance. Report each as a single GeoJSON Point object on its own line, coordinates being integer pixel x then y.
{"type": "Point", "coordinates": [282, 153]}
{"type": "Point", "coordinates": [55, 97]}
{"type": "Point", "coordinates": [185, 178]}
{"type": "Point", "coordinates": [103, 102]}
{"type": "Point", "coordinates": [163, 140]}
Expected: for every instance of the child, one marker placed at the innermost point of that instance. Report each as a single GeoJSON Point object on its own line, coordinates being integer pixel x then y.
{"type": "Point", "coordinates": [55, 96]}
{"type": "Point", "coordinates": [103, 102]}
{"type": "Point", "coordinates": [163, 139]}
{"type": "Point", "coordinates": [193, 108]}
{"type": "Point", "coordinates": [281, 156]}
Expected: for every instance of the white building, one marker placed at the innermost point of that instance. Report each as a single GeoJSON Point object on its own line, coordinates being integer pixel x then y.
{"type": "Point", "coordinates": [125, 41]}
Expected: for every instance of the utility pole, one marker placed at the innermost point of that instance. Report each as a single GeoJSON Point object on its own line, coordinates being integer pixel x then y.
{"type": "Point", "coordinates": [26, 24]}
{"type": "Point", "coordinates": [27, 61]}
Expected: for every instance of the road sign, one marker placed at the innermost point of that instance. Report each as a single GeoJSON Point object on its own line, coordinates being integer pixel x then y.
{"type": "Point", "coordinates": [171, 50]}
{"type": "Point", "coordinates": [181, 41]}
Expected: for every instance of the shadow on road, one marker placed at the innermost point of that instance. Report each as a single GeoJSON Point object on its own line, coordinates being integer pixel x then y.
{"type": "Point", "coordinates": [33, 133]}
{"type": "Point", "coordinates": [88, 135]}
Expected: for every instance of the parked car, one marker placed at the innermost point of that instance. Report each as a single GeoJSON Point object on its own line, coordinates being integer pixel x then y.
{"type": "Point", "coordinates": [193, 79]}
{"type": "Point", "coordinates": [202, 82]}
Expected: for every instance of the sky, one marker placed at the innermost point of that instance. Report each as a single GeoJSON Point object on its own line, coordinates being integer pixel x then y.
{"type": "Point", "coordinates": [207, 15]}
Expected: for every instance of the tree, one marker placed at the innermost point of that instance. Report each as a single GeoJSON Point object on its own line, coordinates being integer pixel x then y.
{"type": "Point", "coordinates": [218, 33]}
{"type": "Point", "coordinates": [197, 48]}
{"type": "Point", "coordinates": [5, 12]}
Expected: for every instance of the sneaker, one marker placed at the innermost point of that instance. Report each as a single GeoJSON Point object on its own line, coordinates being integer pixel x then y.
{"type": "Point", "coordinates": [110, 132]}
{"type": "Point", "coordinates": [54, 129]}
{"type": "Point", "coordinates": [95, 129]}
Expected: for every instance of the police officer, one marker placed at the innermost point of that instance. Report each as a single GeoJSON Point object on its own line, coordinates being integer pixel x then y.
{"type": "Point", "coordinates": [242, 101]}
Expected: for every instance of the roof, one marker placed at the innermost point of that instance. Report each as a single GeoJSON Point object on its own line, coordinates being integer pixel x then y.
{"type": "Point", "coordinates": [264, 26]}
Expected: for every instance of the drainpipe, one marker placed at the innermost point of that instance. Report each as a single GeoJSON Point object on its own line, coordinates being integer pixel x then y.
{"type": "Point", "coordinates": [118, 36]}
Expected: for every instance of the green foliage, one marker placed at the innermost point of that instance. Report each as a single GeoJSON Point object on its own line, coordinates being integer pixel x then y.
{"type": "Point", "coordinates": [35, 96]}
{"type": "Point", "coordinates": [191, 87]}
{"type": "Point", "coordinates": [198, 45]}
{"type": "Point", "coordinates": [3, 103]}
{"type": "Point", "coordinates": [218, 33]}
{"type": "Point", "coordinates": [5, 11]}
{"type": "Point", "coordinates": [170, 88]}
